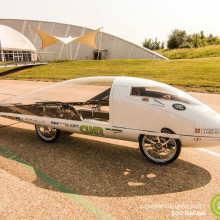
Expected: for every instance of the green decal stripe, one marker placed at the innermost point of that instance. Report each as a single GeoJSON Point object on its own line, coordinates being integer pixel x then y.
{"type": "Point", "coordinates": [68, 192]}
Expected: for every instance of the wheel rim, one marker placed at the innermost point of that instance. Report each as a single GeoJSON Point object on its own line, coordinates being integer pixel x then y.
{"type": "Point", "coordinates": [46, 133]}
{"type": "Point", "coordinates": [159, 149]}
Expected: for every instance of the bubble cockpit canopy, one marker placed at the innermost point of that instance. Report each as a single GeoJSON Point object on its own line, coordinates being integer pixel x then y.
{"type": "Point", "coordinates": [70, 91]}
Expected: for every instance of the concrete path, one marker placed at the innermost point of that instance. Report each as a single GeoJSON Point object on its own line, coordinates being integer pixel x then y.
{"type": "Point", "coordinates": [100, 178]}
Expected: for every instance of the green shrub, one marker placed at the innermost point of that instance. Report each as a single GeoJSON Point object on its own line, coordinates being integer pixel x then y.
{"type": "Point", "coordinates": [186, 45]}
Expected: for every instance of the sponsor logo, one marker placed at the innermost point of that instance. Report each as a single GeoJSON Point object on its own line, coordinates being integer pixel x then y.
{"type": "Point", "coordinates": [15, 118]}
{"type": "Point", "coordinates": [197, 130]}
{"type": "Point", "coordinates": [207, 131]}
{"type": "Point", "coordinates": [145, 99]}
{"type": "Point", "coordinates": [65, 124]}
{"type": "Point", "coordinates": [215, 204]}
{"type": "Point", "coordinates": [18, 118]}
{"type": "Point", "coordinates": [114, 130]}
{"type": "Point", "coordinates": [210, 131]}
{"type": "Point", "coordinates": [28, 119]}
{"type": "Point", "coordinates": [73, 126]}
{"type": "Point", "coordinates": [179, 107]}
{"type": "Point", "coordinates": [91, 130]}
{"type": "Point", "coordinates": [68, 125]}
{"type": "Point", "coordinates": [11, 117]}
{"type": "Point", "coordinates": [54, 123]}
{"type": "Point", "coordinates": [159, 102]}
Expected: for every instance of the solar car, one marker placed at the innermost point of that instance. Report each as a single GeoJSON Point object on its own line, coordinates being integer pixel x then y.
{"type": "Point", "coordinates": [161, 118]}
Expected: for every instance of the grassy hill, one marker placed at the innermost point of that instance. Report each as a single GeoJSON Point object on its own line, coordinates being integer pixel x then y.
{"type": "Point", "coordinates": [202, 52]}
{"type": "Point", "coordinates": [190, 74]}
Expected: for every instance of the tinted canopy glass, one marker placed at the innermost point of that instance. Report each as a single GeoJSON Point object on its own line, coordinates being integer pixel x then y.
{"type": "Point", "coordinates": [164, 92]}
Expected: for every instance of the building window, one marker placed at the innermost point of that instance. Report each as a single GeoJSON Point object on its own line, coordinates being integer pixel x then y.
{"type": "Point", "coordinates": [8, 55]}
{"type": "Point", "coordinates": [16, 56]}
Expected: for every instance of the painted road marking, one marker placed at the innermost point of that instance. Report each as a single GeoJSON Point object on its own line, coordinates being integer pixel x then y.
{"type": "Point", "coordinates": [68, 192]}
{"type": "Point", "coordinates": [209, 152]}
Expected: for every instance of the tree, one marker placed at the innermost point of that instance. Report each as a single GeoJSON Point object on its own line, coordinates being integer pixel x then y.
{"type": "Point", "coordinates": [176, 38]}
{"type": "Point", "coordinates": [148, 43]}
{"type": "Point", "coordinates": [156, 44]}
{"type": "Point", "coordinates": [180, 39]}
{"type": "Point", "coordinates": [163, 45]}
{"type": "Point", "coordinates": [213, 40]}
{"type": "Point", "coordinates": [202, 36]}
{"type": "Point", "coordinates": [153, 44]}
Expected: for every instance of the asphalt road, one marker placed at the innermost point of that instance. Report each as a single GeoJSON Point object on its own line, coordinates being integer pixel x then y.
{"type": "Point", "coordinates": [82, 177]}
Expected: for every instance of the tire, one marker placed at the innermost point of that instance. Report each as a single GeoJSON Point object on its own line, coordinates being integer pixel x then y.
{"type": "Point", "coordinates": [47, 134]}
{"type": "Point", "coordinates": [160, 150]}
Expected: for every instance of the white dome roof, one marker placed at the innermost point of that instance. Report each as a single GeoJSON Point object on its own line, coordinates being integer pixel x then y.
{"type": "Point", "coordinates": [11, 39]}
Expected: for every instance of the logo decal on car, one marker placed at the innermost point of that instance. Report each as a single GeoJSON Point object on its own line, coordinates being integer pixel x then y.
{"type": "Point", "coordinates": [197, 130]}
{"type": "Point", "coordinates": [158, 103]}
{"type": "Point", "coordinates": [197, 139]}
{"type": "Point", "coordinates": [210, 131]}
{"type": "Point", "coordinates": [54, 123]}
{"type": "Point", "coordinates": [207, 131]}
{"type": "Point", "coordinates": [11, 117]}
{"type": "Point", "coordinates": [74, 126]}
{"type": "Point", "coordinates": [145, 99]}
{"type": "Point", "coordinates": [114, 130]}
{"type": "Point", "coordinates": [179, 107]}
{"type": "Point", "coordinates": [91, 130]}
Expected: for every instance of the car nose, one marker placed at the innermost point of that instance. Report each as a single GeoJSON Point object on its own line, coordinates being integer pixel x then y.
{"type": "Point", "coordinates": [209, 125]}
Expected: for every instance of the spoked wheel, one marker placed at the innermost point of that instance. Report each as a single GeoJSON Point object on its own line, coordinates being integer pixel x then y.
{"type": "Point", "coordinates": [47, 134]}
{"type": "Point", "coordinates": [160, 150]}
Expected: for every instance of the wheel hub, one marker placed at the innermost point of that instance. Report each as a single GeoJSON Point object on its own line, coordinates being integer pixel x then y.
{"type": "Point", "coordinates": [158, 146]}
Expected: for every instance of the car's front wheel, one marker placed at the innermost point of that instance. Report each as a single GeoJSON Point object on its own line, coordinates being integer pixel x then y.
{"type": "Point", "coordinates": [159, 150]}
{"type": "Point", "coordinates": [47, 134]}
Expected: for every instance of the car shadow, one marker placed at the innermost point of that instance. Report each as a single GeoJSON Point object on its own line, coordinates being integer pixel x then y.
{"type": "Point", "coordinates": [95, 168]}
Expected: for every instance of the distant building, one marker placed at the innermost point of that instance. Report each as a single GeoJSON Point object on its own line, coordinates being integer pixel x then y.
{"type": "Point", "coordinates": [109, 46]}
{"type": "Point", "coordinates": [14, 46]}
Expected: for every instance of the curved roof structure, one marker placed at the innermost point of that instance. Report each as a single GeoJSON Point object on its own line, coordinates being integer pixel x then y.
{"type": "Point", "coordinates": [11, 39]}
{"type": "Point", "coordinates": [112, 47]}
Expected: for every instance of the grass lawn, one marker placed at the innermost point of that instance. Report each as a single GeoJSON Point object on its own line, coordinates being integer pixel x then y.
{"type": "Point", "coordinates": [190, 74]}
{"type": "Point", "coordinates": [202, 52]}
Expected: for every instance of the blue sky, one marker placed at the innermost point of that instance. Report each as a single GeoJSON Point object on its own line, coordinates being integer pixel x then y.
{"type": "Point", "coordinates": [132, 20]}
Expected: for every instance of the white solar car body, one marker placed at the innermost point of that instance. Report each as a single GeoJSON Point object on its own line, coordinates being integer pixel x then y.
{"type": "Point", "coordinates": [160, 117]}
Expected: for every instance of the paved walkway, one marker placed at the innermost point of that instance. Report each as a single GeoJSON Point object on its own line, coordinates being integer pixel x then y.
{"type": "Point", "coordinates": [23, 64]}
{"type": "Point", "coordinates": [108, 178]}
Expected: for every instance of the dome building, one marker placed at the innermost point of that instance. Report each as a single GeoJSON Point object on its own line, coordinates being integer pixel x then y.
{"type": "Point", "coordinates": [14, 46]}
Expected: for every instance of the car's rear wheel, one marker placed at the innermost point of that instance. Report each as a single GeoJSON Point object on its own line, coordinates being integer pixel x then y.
{"type": "Point", "coordinates": [47, 134]}
{"type": "Point", "coordinates": [159, 150]}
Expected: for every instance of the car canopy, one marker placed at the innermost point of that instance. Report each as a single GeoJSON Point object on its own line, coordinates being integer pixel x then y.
{"type": "Point", "coordinates": [75, 90]}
